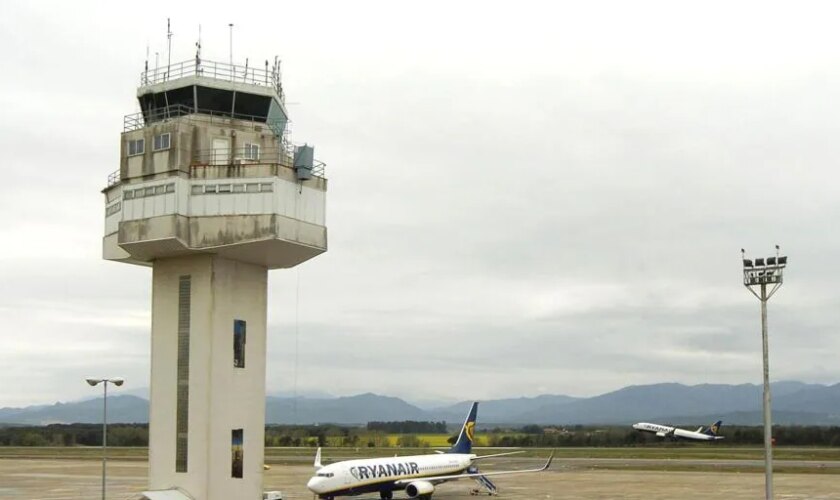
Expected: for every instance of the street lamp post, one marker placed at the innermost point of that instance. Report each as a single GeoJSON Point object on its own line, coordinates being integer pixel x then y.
{"type": "Point", "coordinates": [118, 381]}
{"type": "Point", "coordinates": [760, 274]}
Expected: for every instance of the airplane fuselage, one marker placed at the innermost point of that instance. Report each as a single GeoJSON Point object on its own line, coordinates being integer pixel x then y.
{"type": "Point", "coordinates": [353, 477]}
{"type": "Point", "coordinates": [416, 474]}
{"type": "Point", "coordinates": [668, 431]}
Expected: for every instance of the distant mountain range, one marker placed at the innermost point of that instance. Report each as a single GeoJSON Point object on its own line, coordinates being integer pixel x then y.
{"type": "Point", "coordinates": [793, 403]}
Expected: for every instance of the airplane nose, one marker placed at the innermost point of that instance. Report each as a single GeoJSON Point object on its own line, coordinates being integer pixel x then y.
{"type": "Point", "coordinates": [313, 484]}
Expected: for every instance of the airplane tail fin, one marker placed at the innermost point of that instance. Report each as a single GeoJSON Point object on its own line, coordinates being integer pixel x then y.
{"type": "Point", "coordinates": [467, 434]}
{"type": "Point", "coordinates": [318, 459]}
{"type": "Point", "coordinates": [713, 429]}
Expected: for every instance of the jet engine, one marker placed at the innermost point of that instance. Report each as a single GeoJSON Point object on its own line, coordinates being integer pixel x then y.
{"type": "Point", "coordinates": [419, 489]}
{"type": "Point", "coordinates": [661, 434]}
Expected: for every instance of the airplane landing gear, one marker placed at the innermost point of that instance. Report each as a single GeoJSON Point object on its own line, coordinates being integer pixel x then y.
{"type": "Point", "coordinates": [386, 495]}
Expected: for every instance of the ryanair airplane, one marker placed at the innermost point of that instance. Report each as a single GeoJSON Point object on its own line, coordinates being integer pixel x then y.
{"type": "Point", "coordinates": [710, 434]}
{"type": "Point", "coordinates": [417, 475]}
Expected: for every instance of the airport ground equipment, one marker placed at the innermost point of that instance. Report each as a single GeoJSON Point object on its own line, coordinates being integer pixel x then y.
{"type": "Point", "coordinates": [211, 195]}
{"type": "Point", "coordinates": [484, 483]}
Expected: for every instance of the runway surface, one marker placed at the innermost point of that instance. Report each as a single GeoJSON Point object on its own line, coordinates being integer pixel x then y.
{"type": "Point", "coordinates": [44, 479]}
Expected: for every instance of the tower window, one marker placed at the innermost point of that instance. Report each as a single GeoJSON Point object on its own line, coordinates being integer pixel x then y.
{"type": "Point", "coordinates": [182, 401]}
{"type": "Point", "coordinates": [236, 453]}
{"type": "Point", "coordinates": [238, 343]}
{"type": "Point", "coordinates": [252, 151]}
{"type": "Point", "coordinates": [136, 147]}
{"type": "Point", "coordinates": [112, 209]}
{"type": "Point", "coordinates": [161, 142]}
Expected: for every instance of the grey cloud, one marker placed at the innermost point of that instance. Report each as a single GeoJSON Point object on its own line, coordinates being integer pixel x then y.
{"type": "Point", "coordinates": [501, 213]}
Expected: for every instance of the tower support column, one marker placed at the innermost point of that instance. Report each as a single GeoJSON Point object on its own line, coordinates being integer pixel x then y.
{"type": "Point", "coordinates": [207, 391]}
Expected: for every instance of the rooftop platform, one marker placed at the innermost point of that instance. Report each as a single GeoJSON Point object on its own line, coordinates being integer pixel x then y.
{"type": "Point", "coordinates": [212, 89]}
{"type": "Point", "coordinates": [158, 78]}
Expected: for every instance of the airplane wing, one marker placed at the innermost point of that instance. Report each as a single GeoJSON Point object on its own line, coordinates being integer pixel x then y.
{"type": "Point", "coordinates": [453, 477]}
{"type": "Point", "coordinates": [499, 454]}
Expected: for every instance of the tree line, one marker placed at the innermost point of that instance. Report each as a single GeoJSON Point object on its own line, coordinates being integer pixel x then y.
{"type": "Point", "coordinates": [75, 435]}
{"type": "Point", "coordinates": [587, 436]}
{"type": "Point", "coordinates": [377, 435]}
{"type": "Point", "coordinates": [408, 427]}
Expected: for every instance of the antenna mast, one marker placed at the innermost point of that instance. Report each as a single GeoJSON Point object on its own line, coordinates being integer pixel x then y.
{"type": "Point", "coordinates": [146, 66]}
{"type": "Point", "coordinates": [168, 48]}
{"type": "Point", "coordinates": [198, 53]}
{"type": "Point", "coordinates": [230, 25]}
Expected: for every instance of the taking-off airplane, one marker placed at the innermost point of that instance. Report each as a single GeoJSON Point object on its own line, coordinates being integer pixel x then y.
{"type": "Point", "coordinates": [417, 475]}
{"type": "Point", "coordinates": [666, 431]}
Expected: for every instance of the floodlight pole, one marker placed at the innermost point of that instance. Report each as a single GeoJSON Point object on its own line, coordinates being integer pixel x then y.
{"type": "Point", "coordinates": [104, 381]}
{"type": "Point", "coordinates": [768, 424]}
{"type": "Point", "coordinates": [764, 272]}
{"type": "Point", "coordinates": [104, 433]}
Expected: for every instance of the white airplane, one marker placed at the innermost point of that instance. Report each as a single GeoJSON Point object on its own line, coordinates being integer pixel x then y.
{"type": "Point", "coordinates": [417, 474]}
{"type": "Point", "coordinates": [701, 434]}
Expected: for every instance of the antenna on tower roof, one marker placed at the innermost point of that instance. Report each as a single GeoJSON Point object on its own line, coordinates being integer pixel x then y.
{"type": "Point", "coordinates": [168, 48]}
{"type": "Point", "coordinates": [230, 25]}
{"type": "Point", "coordinates": [146, 66]}
{"type": "Point", "coordinates": [198, 53]}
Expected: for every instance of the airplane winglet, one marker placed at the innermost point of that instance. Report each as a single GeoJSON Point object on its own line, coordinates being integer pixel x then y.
{"type": "Point", "coordinates": [550, 458]}
{"type": "Point", "coordinates": [318, 459]}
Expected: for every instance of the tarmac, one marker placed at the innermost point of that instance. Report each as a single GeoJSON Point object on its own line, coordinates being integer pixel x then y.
{"type": "Point", "coordinates": [44, 479]}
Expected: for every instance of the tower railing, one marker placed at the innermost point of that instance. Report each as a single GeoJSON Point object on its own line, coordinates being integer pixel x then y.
{"type": "Point", "coordinates": [205, 160]}
{"type": "Point", "coordinates": [136, 121]}
{"type": "Point", "coordinates": [113, 178]}
{"type": "Point", "coordinates": [267, 77]}
{"type": "Point", "coordinates": [224, 163]}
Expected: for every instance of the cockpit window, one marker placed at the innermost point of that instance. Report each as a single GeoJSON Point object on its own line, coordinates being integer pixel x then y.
{"type": "Point", "coordinates": [324, 474]}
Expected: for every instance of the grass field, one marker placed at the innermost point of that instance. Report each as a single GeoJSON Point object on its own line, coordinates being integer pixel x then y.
{"type": "Point", "coordinates": [685, 452]}
{"type": "Point", "coordinates": [47, 479]}
{"type": "Point", "coordinates": [392, 440]}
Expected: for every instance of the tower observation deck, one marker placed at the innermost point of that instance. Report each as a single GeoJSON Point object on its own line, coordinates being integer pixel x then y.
{"type": "Point", "coordinates": [211, 194]}
{"type": "Point", "coordinates": [207, 167]}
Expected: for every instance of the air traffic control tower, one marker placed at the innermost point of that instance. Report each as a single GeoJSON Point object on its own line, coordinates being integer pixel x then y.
{"type": "Point", "coordinates": [211, 195]}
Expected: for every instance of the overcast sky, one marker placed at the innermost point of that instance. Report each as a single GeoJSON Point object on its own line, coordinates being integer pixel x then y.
{"type": "Point", "coordinates": [523, 198]}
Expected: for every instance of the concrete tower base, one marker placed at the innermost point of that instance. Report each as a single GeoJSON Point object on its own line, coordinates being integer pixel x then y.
{"type": "Point", "coordinates": [207, 411]}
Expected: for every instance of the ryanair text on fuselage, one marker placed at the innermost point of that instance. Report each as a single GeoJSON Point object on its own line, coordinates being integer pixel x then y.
{"type": "Point", "coordinates": [385, 470]}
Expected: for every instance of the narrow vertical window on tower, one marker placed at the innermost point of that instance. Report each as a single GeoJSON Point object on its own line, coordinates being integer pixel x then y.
{"type": "Point", "coordinates": [239, 343]}
{"type": "Point", "coordinates": [237, 453]}
{"type": "Point", "coordinates": [182, 409]}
